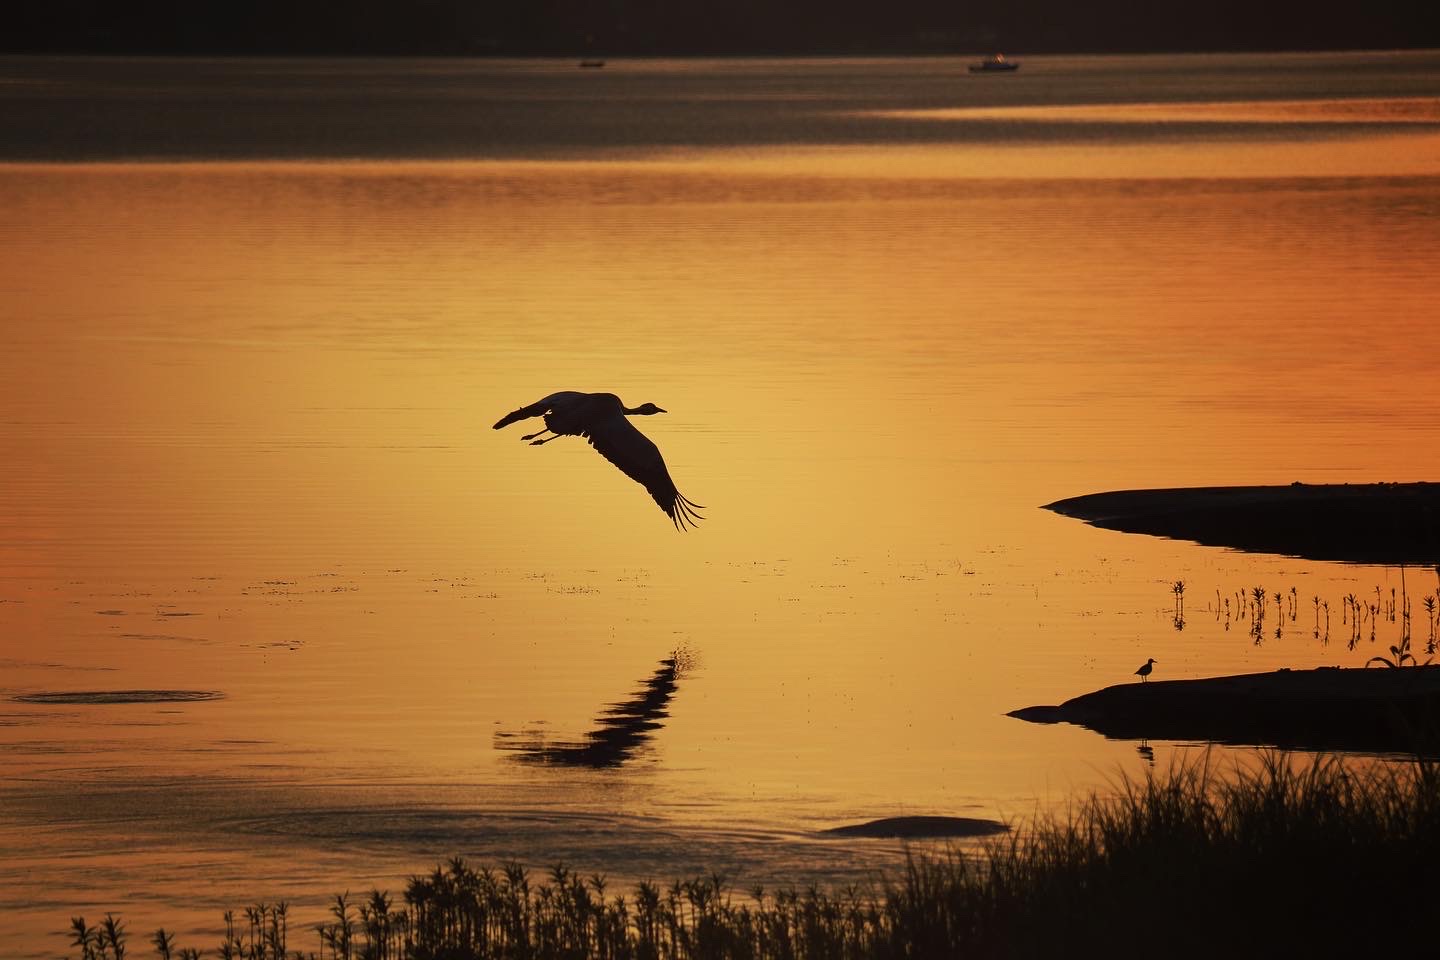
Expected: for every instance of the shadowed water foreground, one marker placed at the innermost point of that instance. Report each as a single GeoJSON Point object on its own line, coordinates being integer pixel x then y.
{"type": "Point", "coordinates": [1273, 856]}
{"type": "Point", "coordinates": [1379, 523]}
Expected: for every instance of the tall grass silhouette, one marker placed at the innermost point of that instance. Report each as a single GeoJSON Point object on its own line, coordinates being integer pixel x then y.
{"type": "Point", "coordinates": [1277, 858]}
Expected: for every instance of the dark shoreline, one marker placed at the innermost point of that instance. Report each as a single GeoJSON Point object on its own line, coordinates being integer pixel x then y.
{"type": "Point", "coordinates": [1376, 710]}
{"type": "Point", "coordinates": [1375, 523]}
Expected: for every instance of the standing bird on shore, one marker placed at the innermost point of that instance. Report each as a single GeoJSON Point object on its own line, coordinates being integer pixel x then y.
{"type": "Point", "coordinates": [600, 418]}
{"type": "Point", "coordinates": [1144, 672]}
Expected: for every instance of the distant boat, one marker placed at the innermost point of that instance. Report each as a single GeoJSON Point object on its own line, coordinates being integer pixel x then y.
{"type": "Point", "coordinates": [995, 62]}
{"type": "Point", "coordinates": [592, 64]}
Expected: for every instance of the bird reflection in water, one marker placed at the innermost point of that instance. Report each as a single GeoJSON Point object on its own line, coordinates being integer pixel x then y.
{"type": "Point", "coordinates": [620, 729]}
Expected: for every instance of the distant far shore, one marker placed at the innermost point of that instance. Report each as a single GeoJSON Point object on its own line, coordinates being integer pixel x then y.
{"type": "Point", "coordinates": [610, 56]}
{"type": "Point", "coordinates": [1378, 710]}
{"type": "Point", "coordinates": [1379, 523]}
{"type": "Point", "coordinates": [615, 28]}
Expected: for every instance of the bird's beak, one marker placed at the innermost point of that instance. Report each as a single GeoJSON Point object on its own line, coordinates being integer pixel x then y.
{"type": "Point", "coordinates": [661, 410]}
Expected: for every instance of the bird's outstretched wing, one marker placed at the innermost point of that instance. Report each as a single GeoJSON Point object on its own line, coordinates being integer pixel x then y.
{"type": "Point", "coordinates": [617, 440]}
{"type": "Point", "coordinates": [524, 413]}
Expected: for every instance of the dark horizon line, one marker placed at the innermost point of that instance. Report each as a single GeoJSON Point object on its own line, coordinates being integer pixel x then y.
{"type": "Point", "coordinates": [595, 29]}
{"type": "Point", "coordinates": [680, 54]}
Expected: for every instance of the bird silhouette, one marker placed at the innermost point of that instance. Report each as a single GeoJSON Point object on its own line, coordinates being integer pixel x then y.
{"type": "Point", "coordinates": [600, 418]}
{"type": "Point", "coordinates": [1144, 672]}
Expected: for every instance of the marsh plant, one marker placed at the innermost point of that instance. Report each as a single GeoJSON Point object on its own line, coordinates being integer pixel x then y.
{"type": "Point", "coordinates": [1280, 840]}
{"type": "Point", "coordinates": [1430, 618]}
{"type": "Point", "coordinates": [1352, 616]}
{"type": "Point", "coordinates": [1400, 653]}
{"type": "Point", "coordinates": [1365, 619]}
{"type": "Point", "coordinates": [104, 942]}
{"type": "Point", "coordinates": [1319, 605]}
{"type": "Point", "coordinates": [1257, 615]}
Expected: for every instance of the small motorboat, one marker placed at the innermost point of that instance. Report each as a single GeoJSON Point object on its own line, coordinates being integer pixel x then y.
{"type": "Point", "coordinates": [592, 64]}
{"type": "Point", "coordinates": [995, 63]}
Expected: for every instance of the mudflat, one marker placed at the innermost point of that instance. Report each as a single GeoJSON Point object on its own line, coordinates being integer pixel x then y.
{"type": "Point", "coordinates": [915, 827]}
{"type": "Point", "coordinates": [1379, 709]}
{"type": "Point", "coordinates": [1382, 523]}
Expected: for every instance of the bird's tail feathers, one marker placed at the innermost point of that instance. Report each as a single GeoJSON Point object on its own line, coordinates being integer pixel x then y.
{"type": "Point", "coordinates": [684, 512]}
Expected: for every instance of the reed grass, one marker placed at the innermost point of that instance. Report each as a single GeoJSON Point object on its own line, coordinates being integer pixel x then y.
{"type": "Point", "coordinates": [1280, 858]}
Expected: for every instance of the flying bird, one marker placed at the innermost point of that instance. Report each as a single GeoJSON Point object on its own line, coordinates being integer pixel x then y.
{"type": "Point", "coordinates": [600, 418]}
{"type": "Point", "coordinates": [1144, 672]}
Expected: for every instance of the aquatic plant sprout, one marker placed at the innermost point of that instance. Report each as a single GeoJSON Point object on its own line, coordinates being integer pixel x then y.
{"type": "Point", "coordinates": [1253, 605]}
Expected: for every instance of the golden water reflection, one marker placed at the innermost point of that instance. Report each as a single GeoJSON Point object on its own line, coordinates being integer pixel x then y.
{"type": "Point", "coordinates": [1350, 110]}
{"type": "Point", "coordinates": [247, 448]}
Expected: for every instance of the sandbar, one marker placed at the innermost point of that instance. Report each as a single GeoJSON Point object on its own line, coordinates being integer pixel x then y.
{"type": "Point", "coordinates": [914, 827]}
{"type": "Point", "coordinates": [1374, 710]}
{"type": "Point", "coordinates": [1375, 523]}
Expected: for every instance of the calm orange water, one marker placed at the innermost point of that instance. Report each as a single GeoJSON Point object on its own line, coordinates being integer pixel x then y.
{"type": "Point", "coordinates": [246, 450]}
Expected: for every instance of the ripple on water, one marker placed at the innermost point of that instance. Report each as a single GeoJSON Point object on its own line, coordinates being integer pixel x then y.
{"type": "Point", "coordinates": [119, 696]}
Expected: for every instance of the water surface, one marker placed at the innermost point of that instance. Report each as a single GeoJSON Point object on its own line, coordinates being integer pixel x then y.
{"type": "Point", "coordinates": [260, 315]}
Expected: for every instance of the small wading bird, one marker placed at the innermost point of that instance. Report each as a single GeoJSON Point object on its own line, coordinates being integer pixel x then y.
{"type": "Point", "coordinates": [600, 418]}
{"type": "Point", "coordinates": [1144, 672]}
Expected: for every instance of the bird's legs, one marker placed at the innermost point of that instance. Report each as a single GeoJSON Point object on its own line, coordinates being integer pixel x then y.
{"type": "Point", "coordinates": [532, 436]}
{"type": "Point", "coordinates": [536, 443]}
